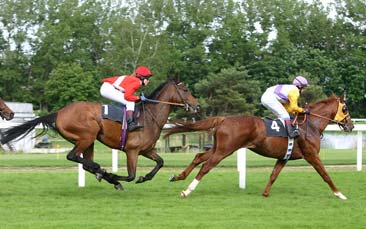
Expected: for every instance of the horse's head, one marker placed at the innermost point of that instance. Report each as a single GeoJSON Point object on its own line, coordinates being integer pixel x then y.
{"type": "Point", "coordinates": [183, 95]}
{"type": "Point", "coordinates": [5, 112]}
{"type": "Point", "coordinates": [342, 116]}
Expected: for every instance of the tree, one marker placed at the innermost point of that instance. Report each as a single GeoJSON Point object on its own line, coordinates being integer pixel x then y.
{"type": "Point", "coordinates": [229, 92]}
{"type": "Point", "coordinates": [69, 83]}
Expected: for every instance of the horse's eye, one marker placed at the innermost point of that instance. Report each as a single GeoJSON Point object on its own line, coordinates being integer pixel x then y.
{"type": "Point", "coordinates": [344, 109]}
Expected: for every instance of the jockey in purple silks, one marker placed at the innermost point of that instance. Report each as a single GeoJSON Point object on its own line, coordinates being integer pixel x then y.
{"type": "Point", "coordinates": [282, 99]}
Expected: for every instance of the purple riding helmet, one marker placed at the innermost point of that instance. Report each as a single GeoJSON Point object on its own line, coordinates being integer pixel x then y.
{"type": "Point", "coordinates": [300, 81]}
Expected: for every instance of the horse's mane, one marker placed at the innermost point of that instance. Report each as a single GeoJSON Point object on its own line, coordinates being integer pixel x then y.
{"type": "Point", "coordinates": [157, 90]}
{"type": "Point", "coordinates": [322, 102]}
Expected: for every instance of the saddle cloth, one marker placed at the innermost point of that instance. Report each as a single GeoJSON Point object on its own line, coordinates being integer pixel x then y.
{"type": "Point", "coordinates": [117, 114]}
{"type": "Point", "coordinates": [112, 112]}
{"type": "Point", "coordinates": [275, 128]}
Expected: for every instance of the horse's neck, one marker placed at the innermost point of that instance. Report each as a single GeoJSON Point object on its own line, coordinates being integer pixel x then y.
{"type": "Point", "coordinates": [327, 110]}
{"type": "Point", "coordinates": [157, 113]}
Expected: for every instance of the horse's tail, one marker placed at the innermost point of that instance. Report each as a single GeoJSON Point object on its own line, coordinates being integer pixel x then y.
{"type": "Point", "coordinates": [201, 125]}
{"type": "Point", "coordinates": [19, 132]}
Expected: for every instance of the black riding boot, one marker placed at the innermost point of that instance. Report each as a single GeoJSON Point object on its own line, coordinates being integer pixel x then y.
{"type": "Point", "coordinates": [292, 131]}
{"type": "Point", "coordinates": [131, 124]}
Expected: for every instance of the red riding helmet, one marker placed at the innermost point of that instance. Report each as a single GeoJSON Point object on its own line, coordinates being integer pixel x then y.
{"type": "Point", "coordinates": [143, 71]}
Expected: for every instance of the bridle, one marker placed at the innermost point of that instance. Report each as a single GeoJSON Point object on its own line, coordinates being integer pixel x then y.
{"type": "Point", "coordinates": [341, 123]}
{"type": "Point", "coordinates": [185, 104]}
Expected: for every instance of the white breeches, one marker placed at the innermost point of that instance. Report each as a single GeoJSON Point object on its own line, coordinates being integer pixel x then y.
{"type": "Point", "coordinates": [271, 101]}
{"type": "Point", "coordinates": [108, 91]}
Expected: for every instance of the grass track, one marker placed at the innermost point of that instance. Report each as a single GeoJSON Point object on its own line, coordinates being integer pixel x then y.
{"type": "Point", "coordinates": [299, 199]}
{"type": "Point", "coordinates": [34, 194]}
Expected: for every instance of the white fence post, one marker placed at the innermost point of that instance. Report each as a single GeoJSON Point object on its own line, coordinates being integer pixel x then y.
{"type": "Point", "coordinates": [359, 150]}
{"type": "Point", "coordinates": [114, 160]}
{"type": "Point", "coordinates": [81, 176]}
{"type": "Point", "coordinates": [242, 167]}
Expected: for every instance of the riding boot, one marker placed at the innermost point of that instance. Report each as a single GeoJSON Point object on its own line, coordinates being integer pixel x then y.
{"type": "Point", "coordinates": [292, 131]}
{"type": "Point", "coordinates": [131, 124]}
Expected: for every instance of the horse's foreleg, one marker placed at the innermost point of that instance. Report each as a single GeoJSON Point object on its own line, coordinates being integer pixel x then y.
{"type": "Point", "coordinates": [159, 163]}
{"type": "Point", "coordinates": [131, 166]}
{"type": "Point", "coordinates": [198, 159]}
{"type": "Point", "coordinates": [211, 162]}
{"type": "Point", "coordinates": [319, 167]}
{"type": "Point", "coordinates": [275, 172]}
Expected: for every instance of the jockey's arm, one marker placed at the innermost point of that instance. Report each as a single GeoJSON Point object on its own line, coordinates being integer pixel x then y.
{"type": "Point", "coordinates": [291, 106]}
{"type": "Point", "coordinates": [129, 93]}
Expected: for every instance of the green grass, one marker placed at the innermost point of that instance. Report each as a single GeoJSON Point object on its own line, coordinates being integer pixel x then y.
{"type": "Point", "coordinates": [40, 191]}
{"type": "Point", "coordinates": [103, 156]}
{"type": "Point", "coordinates": [299, 199]}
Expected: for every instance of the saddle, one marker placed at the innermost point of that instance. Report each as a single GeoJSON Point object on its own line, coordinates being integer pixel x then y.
{"type": "Point", "coordinates": [276, 128]}
{"type": "Point", "coordinates": [116, 113]}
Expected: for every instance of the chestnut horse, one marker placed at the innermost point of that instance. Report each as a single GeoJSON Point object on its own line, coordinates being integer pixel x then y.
{"type": "Point", "coordinates": [5, 112]}
{"type": "Point", "coordinates": [234, 132]}
{"type": "Point", "coordinates": [81, 123]}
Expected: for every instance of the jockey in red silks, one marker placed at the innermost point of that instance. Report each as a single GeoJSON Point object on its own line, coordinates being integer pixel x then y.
{"type": "Point", "coordinates": [283, 99]}
{"type": "Point", "coordinates": [122, 88]}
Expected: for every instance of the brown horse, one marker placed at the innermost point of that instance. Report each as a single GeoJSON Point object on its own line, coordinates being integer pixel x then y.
{"type": "Point", "coordinates": [81, 123]}
{"type": "Point", "coordinates": [5, 112]}
{"type": "Point", "coordinates": [234, 132]}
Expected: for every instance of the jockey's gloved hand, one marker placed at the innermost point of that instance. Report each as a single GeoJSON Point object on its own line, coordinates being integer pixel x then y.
{"type": "Point", "coordinates": [307, 111]}
{"type": "Point", "coordinates": [142, 97]}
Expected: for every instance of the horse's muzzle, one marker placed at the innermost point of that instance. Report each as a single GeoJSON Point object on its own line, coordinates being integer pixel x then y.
{"type": "Point", "coordinates": [348, 127]}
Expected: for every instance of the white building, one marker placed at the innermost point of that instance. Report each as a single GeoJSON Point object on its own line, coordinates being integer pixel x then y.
{"type": "Point", "coordinates": [22, 112]}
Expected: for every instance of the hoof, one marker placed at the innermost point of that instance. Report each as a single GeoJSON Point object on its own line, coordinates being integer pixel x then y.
{"type": "Point", "coordinates": [172, 178]}
{"type": "Point", "coordinates": [118, 187]}
{"type": "Point", "coordinates": [340, 195]}
{"type": "Point", "coordinates": [265, 194]}
{"type": "Point", "coordinates": [140, 180]}
{"type": "Point", "coordinates": [183, 195]}
{"type": "Point", "coordinates": [99, 177]}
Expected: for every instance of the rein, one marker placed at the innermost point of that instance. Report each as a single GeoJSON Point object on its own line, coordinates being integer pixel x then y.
{"type": "Point", "coordinates": [185, 104]}
{"type": "Point", "coordinates": [165, 102]}
{"type": "Point", "coordinates": [316, 115]}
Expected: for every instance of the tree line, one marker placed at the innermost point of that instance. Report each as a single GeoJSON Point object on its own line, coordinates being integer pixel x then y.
{"type": "Point", "coordinates": [54, 52]}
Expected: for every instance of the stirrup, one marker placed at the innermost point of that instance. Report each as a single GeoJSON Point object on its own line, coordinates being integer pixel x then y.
{"type": "Point", "coordinates": [132, 126]}
{"type": "Point", "coordinates": [294, 133]}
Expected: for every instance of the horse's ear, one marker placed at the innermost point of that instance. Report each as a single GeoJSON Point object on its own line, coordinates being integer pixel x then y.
{"type": "Point", "coordinates": [343, 97]}
{"type": "Point", "coordinates": [176, 78]}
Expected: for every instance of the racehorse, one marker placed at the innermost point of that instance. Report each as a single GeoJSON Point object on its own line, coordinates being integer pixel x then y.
{"type": "Point", "coordinates": [81, 123]}
{"type": "Point", "coordinates": [234, 132]}
{"type": "Point", "coordinates": [5, 112]}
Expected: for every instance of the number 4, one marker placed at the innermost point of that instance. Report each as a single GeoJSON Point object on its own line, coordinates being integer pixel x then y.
{"type": "Point", "coordinates": [274, 126]}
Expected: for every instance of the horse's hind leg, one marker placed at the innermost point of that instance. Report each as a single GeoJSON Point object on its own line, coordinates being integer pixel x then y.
{"type": "Point", "coordinates": [198, 159]}
{"type": "Point", "coordinates": [275, 172]}
{"type": "Point", "coordinates": [319, 167]}
{"type": "Point", "coordinates": [159, 163]}
{"type": "Point", "coordinates": [92, 167]}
